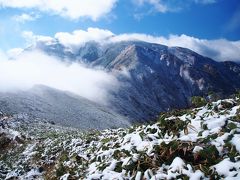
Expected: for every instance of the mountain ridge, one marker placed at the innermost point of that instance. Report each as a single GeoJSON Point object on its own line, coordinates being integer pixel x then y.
{"type": "Point", "coordinates": [152, 78]}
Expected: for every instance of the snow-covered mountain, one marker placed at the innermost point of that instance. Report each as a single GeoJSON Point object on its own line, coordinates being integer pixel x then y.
{"type": "Point", "coordinates": [152, 77]}
{"type": "Point", "coordinates": [197, 143]}
{"type": "Point", "coordinates": [62, 108]}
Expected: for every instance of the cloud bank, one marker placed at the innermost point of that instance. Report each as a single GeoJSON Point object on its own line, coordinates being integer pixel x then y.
{"type": "Point", "coordinates": [218, 49]}
{"type": "Point", "coordinates": [79, 37]}
{"type": "Point", "coordinates": [33, 68]}
{"type": "Point", "coordinates": [73, 9]}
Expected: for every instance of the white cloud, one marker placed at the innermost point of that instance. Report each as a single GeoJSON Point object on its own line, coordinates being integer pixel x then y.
{"type": "Point", "coordinates": [31, 68]}
{"type": "Point", "coordinates": [77, 38]}
{"type": "Point", "coordinates": [13, 53]}
{"type": "Point", "coordinates": [219, 49]}
{"type": "Point", "coordinates": [22, 18]}
{"type": "Point", "coordinates": [73, 9]}
{"type": "Point", "coordinates": [32, 39]}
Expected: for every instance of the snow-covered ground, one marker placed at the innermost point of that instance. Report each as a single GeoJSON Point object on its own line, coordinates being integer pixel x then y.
{"type": "Point", "coordinates": [200, 143]}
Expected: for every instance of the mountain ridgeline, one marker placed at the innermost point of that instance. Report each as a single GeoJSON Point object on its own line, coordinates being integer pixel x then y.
{"type": "Point", "coordinates": [159, 78]}
{"type": "Point", "coordinates": [152, 78]}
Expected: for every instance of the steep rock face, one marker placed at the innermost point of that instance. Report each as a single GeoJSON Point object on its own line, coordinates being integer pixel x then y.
{"type": "Point", "coordinates": [62, 108]}
{"type": "Point", "coordinates": [154, 77]}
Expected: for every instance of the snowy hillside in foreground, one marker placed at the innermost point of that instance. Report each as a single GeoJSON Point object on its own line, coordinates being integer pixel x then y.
{"type": "Point", "coordinates": [198, 143]}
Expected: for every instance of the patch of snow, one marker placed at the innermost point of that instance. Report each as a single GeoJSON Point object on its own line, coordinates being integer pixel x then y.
{"type": "Point", "coordinates": [196, 175]}
{"type": "Point", "coordinates": [225, 168]}
{"type": "Point", "coordinates": [177, 165]}
{"type": "Point", "coordinates": [64, 177]}
{"type": "Point", "coordinates": [138, 176]}
{"type": "Point", "coordinates": [197, 149]}
{"type": "Point", "coordinates": [236, 141]}
{"type": "Point", "coordinates": [32, 174]}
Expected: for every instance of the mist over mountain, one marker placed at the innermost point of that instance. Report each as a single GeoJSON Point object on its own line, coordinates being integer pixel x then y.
{"type": "Point", "coordinates": [34, 67]}
{"type": "Point", "coordinates": [130, 80]}
{"type": "Point", "coordinates": [151, 77]}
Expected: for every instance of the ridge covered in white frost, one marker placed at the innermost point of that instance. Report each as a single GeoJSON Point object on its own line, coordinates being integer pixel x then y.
{"type": "Point", "coordinates": [198, 143]}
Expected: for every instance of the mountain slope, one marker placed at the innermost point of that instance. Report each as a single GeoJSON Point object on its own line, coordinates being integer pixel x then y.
{"type": "Point", "coordinates": [153, 77]}
{"type": "Point", "coordinates": [60, 107]}
{"type": "Point", "coordinates": [200, 143]}
{"type": "Point", "coordinates": [162, 78]}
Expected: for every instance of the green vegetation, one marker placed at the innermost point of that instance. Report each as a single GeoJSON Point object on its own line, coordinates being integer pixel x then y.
{"type": "Point", "coordinates": [200, 137]}
{"type": "Point", "coordinates": [198, 101]}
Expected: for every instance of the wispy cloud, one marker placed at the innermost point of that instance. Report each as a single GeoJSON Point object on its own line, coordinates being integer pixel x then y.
{"type": "Point", "coordinates": [163, 6]}
{"type": "Point", "coordinates": [73, 9]}
{"type": "Point", "coordinates": [155, 5]}
{"type": "Point", "coordinates": [234, 21]}
{"type": "Point", "coordinates": [22, 18]}
{"type": "Point", "coordinates": [205, 1]}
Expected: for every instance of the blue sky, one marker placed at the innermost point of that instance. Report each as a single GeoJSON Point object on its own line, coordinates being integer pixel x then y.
{"type": "Point", "coordinates": [202, 19]}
